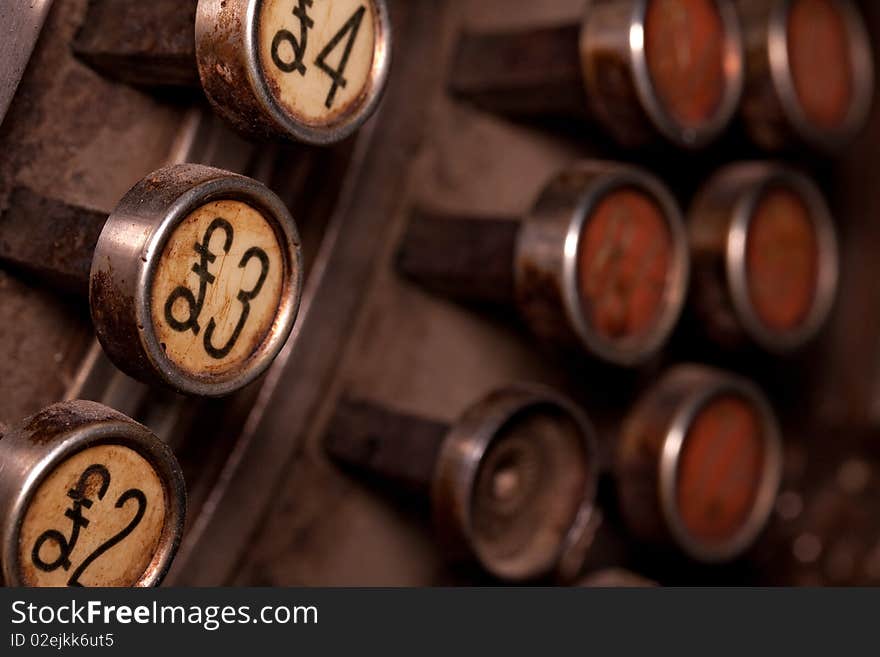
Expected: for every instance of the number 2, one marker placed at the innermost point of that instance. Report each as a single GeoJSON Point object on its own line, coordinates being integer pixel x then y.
{"type": "Point", "coordinates": [141, 501]}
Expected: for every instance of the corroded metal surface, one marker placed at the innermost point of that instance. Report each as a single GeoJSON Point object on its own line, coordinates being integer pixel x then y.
{"type": "Point", "coordinates": [44, 442]}
{"type": "Point", "coordinates": [268, 506]}
{"type": "Point", "coordinates": [50, 240]}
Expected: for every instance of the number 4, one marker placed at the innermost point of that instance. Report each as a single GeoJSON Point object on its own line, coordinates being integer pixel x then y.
{"type": "Point", "coordinates": [351, 28]}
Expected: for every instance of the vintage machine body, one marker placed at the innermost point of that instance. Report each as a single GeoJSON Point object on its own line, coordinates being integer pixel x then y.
{"type": "Point", "coordinates": [608, 314]}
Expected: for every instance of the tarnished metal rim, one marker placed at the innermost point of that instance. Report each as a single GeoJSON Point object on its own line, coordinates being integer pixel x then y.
{"type": "Point", "coordinates": [863, 73]}
{"type": "Point", "coordinates": [108, 432]}
{"type": "Point", "coordinates": [713, 386]}
{"type": "Point", "coordinates": [734, 79]}
{"type": "Point", "coordinates": [253, 193]}
{"type": "Point", "coordinates": [349, 122]}
{"type": "Point", "coordinates": [24, 21]}
{"type": "Point", "coordinates": [735, 259]}
{"type": "Point", "coordinates": [462, 453]}
{"type": "Point", "coordinates": [631, 352]}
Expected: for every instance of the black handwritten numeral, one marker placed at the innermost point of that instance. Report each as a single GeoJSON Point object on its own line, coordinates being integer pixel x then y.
{"type": "Point", "coordinates": [351, 28]}
{"type": "Point", "coordinates": [194, 305]}
{"type": "Point", "coordinates": [80, 500]}
{"type": "Point", "coordinates": [297, 45]}
{"type": "Point", "coordinates": [78, 521]}
{"type": "Point", "coordinates": [131, 494]}
{"type": "Point", "coordinates": [195, 302]}
{"type": "Point", "coordinates": [244, 297]}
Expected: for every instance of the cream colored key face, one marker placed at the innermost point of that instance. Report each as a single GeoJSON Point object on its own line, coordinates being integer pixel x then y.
{"type": "Point", "coordinates": [96, 520]}
{"type": "Point", "coordinates": [317, 56]}
{"type": "Point", "coordinates": [217, 289]}
{"type": "Point", "coordinates": [196, 280]}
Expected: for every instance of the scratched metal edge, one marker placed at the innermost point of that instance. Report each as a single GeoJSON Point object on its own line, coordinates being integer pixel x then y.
{"type": "Point", "coordinates": [203, 139]}
{"type": "Point", "coordinates": [293, 392]}
{"type": "Point", "coordinates": [23, 22]}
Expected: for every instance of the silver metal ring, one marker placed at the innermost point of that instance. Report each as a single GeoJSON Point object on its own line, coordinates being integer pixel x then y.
{"type": "Point", "coordinates": [130, 249]}
{"type": "Point", "coordinates": [31, 451]}
{"type": "Point", "coordinates": [230, 67]}
{"type": "Point", "coordinates": [617, 74]}
{"type": "Point", "coordinates": [712, 385]}
{"type": "Point", "coordinates": [733, 88]}
{"type": "Point", "coordinates": [735, 259]}
{"type": "Point", "coordinates": [633, 353]}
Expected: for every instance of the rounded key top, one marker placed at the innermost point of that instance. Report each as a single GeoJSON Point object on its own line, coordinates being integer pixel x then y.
{"type": "Point", "coordinates": [765, 256]}
{"type": "Point", "coordinates": [810, 72]}
{"type": "Point", "coordinates": [196, 279]}
{"type": "Point", "coordinates": [305, 70]}
{"type": "Point", "coordinates": [699, 463]}
{"type": "Point", "coordinates": [680, 62]}
{"type": "Point", "coordinates": [512, 482]}
{"type": "Point", "coordinates": [820, 63]}
{"type": "Point", "coordinates": [644, 69]}
{"type": "Point", "coordinates": [603, 257]}
{"type": "Point", "coordinates": [515, 482]}
{"type": "Point", "coordinates": [312, 70]}
{"type": "Point", "coordinates": [684, 56]}
{"type": "Point", "coordinates": [600, 262]}
{"type": "Point", "coordinates": [88, 497]}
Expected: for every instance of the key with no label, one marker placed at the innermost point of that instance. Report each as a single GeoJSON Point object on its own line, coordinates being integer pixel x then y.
{"type": "Point", "coordinates": [765, 257]}
{"type": "Point", "coordinates": [88, 497]}
{"type": "Point", "coordinates": [512, 482]}
{"type": "Point", "coordinates": [699, 462]}
{"type": "Point", "coordinates": [644, 69]}
{"type": "Point", "coordinates": [600, 261]}
{"type": "Point", "coordinates": [810, 72]}
{"type": "Point", "coordinates": [308, 70]}
{"type": "Point", "coordinates": [194, 280]}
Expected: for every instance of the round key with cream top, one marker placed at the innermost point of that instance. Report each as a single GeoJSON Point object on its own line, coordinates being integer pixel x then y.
{"type": "Point", "coordinates": [644, 69]}
{"type": "Point", "coordinates": [699, 462]}
{"type": "Point", "coordinates": [600, 261]}
{"type": "Point", "coordinates": [193, 281]}
{"type": "Point", "coordinates": [511, 482]}
{"type": "Point", "coordinates": [88, 497]}
{"type": "Point", "coordinates": [305, 70]}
